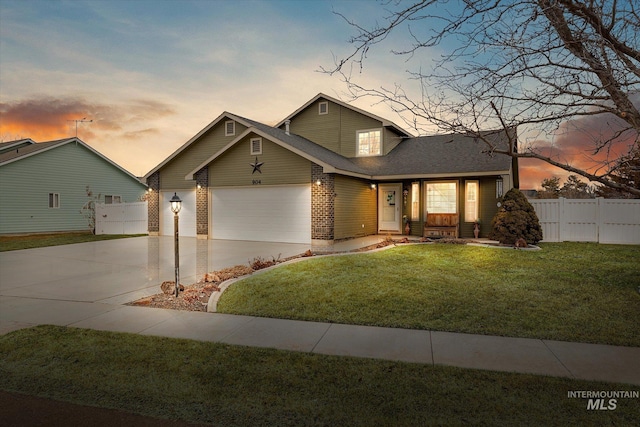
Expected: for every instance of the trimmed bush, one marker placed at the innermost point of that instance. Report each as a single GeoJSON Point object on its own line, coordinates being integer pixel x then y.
{"type": "Point", "coordinates": [515, 219]}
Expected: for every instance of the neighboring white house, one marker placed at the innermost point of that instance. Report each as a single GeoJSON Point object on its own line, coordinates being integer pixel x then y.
{"type": "Point", "coordinates": [43, 186]}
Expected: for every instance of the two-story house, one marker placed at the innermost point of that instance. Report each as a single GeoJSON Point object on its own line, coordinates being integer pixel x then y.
{"type": "Point", "coordinates": [328, 171]}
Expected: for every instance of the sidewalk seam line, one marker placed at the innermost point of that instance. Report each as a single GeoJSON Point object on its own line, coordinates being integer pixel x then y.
{"type": "Point", "coordinates": [321, 338]}
{"type": "Point", "coordinates": [558, 359]}
{"type": "Point", "coordinates": [433, 360]}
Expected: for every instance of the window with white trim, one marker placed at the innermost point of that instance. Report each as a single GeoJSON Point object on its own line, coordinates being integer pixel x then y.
{"type": "Point", "coordinates": [229, 128]}
{"type": "Point", "coordinates": [471, 201]}
{"type": "Point", "coordinates": [441, 197]}
{"type": "Point", "coordinates": [54, 200]}
{"type": "Point", "coordinates": [415, 201]}
{"type": "Point", "coordinates": [111, 199]}
{"type": "Point", "coordinates": [323, 107]}
{"type": "Point", "coordinates": [256, 146]}
{"type": "Point", "coordinates": [369, 142]}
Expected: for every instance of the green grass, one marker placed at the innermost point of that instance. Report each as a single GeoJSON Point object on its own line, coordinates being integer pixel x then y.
{"type": "Point", "coordinates": [30, 241]}
{"type": "Point", "coordinates": [239, 386]}
{"type": "Point", "coordinates": [567, 291]}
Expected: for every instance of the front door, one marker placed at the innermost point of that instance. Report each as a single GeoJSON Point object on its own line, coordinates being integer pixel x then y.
{"type": "Point", "coordinates": [389, 208]}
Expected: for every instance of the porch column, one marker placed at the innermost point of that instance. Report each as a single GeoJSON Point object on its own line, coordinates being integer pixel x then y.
{"type": "Point", "coordinates": [322, 206]}
{"type": "Point", "coordinates": [153, 204]}
{"type": "Point", "coordinates": [202, 203]}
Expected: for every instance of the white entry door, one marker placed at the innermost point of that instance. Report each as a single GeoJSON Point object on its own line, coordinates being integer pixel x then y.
{"type": "Point", "coordinates": [389, 208]}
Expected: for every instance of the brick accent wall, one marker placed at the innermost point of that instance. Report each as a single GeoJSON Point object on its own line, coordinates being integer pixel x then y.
{"type": "Point", "coordinates": [322, 204]}
{"type": "Point", "coordinates": [202, 201]}
{"type": "Point", "coordinates": [153, 200]}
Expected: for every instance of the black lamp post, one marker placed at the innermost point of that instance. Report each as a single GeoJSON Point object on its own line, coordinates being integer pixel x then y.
{"type": "Point", "coordinates": [176, 204]}
{"type": "Point", "coordinates": [499, 190]}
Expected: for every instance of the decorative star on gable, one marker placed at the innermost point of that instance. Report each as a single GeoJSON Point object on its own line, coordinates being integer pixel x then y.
{"type": "Point", "coordinates": [256, 166]}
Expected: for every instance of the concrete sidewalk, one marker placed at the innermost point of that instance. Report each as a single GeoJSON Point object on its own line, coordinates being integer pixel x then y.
{"type": "Point", "coordinates": [534, 356]}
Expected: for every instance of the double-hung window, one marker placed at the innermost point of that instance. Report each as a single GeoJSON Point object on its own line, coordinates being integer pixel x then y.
{"type": "Point", "coordinates": [110, 199]}
{"type": "Point", "coordinates": [54, 200]}
{"type": "Point", "coordinates": [441, 197]}
{"type": "Point", "coordinates": [415, 201]}
{"type": "Point", "coordinates": [471, 201]}
{"type": "Point", "coordinates": [369, 142]}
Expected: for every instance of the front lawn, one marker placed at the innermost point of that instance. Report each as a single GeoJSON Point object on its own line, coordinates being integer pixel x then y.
{"type": "Point", "coordinates": [229, 385]}
{"type": "Point", "coordinates": [567, 291]}
{"type": "Point", "coordinates": [29, 241]}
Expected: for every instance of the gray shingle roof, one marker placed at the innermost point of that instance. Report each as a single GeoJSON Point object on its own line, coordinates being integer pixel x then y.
{"type": "Point", "coordinates": [29, 149]}
{"type": "Point", "coordinates": [419, 156]}
{"type": "Point", "coordinates": [427, 156]}
{"type": "Point", "coordinates": [439, 155]}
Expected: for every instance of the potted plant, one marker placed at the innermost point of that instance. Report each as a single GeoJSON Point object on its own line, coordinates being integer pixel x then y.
{"type": "Point", "coordinates": [407, 225]}
{"type": "Point", "coordinates": [476, 228]}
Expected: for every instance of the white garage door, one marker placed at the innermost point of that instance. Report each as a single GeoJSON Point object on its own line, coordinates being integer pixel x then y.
{"type": "Point", "coordinates": [265, 214]}
{"type": "Point", "coordinates": [187, 215]}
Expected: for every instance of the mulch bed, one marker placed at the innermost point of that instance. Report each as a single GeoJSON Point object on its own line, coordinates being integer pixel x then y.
{"type": "Point", "coordinates": [195, 297]}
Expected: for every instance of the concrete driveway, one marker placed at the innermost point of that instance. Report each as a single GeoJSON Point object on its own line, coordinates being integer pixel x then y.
{"type": "Point", "coordinates": [111, 272]}
{"type": "Point", "coordinates": [85, 286]}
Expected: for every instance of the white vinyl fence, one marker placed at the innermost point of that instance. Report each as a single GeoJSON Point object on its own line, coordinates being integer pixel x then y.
{"type": "Point", "coordinates": [121, 218]}
{"type": "Point", "coordinates": [589, 220]}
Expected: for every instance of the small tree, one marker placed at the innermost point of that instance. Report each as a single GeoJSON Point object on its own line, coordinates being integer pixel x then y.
{"type": "Point", "coordinates": [550, 188]}
{"type": "Point", "coordinates": [628, 173]}
{"type": "Point", "coordinates": [515, 219]}
{"type": "Point", "coordinates": [88, 210]}
{"type": "Point", "coordinates": [573, 188]}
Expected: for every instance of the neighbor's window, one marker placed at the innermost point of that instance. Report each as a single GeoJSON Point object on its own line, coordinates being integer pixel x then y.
{"type": "Point", "coordinates": [369, 142]}
{"type": "Point", "coordinates": [323, 107]}
{"type": "Point", "coordinates": [109, 199]}
{"type": "Point", "coordinates": [54, 200]}
{"type": "Point", "coordinates": [229, 128]}
{"type": "Point", "coordinates": [441, 197]}
{"type": "Point", "coordinates": [256, 146]}
{"type": "Point", "coordinates": [415, 201]}
{"type": "Point", "coordinates": [471, 201]}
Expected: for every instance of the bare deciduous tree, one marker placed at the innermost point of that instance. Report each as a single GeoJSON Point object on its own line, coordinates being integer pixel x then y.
{"type": "Point", "coordinates": [538, 65]}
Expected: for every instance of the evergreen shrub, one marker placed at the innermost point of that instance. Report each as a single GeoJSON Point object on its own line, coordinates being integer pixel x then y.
{"type": "Point", "coordinates": [515, 219]}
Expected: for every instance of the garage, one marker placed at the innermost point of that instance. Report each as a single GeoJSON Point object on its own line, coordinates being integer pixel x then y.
{"type": "Point", "coordinates": [265, 214]}
{"type": "Point", "coordinates": [187, 216]}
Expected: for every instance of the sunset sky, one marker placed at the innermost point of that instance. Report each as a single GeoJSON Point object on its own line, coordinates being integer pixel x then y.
{"type": "Point", "coordinates": [151, 74]}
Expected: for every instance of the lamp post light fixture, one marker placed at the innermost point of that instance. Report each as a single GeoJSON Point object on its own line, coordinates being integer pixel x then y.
{"type": "Point", "coordinates": [499, 187]}
{"type": "Point", "coordinates": [176, 204]}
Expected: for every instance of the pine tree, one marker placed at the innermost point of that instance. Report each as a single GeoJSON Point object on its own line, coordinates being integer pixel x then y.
{"type": "Point", "coordinates": [627, 173]}
{"type": "Point", "coordinates": [515, 219]}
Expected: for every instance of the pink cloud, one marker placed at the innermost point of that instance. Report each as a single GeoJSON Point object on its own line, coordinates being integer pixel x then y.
{"type": "Point", "coordinates": [47, 118]}
{"type": "Point", "coordinates": [579, 143]}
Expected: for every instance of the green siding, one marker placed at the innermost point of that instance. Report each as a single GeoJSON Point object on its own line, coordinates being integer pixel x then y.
{"type": "Point", "coordinates": [280, 166]}
{"type": "Point", "coordinates": [25, 186]}
{"type": "Point", "coordinates": [352, 122]}
{"type": "Point", "coordinates": [391, 140]}
{"type": "Point", "coordinates": [172, 174]}
{"type": "Point", "coordinates": [487, 208]}
{"type": "Point", "coordinates": [335, 130]}
{"type": "Point", "coordinates": [355, 205]}
{"type": "Point", "coordinates": [323, 129]}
